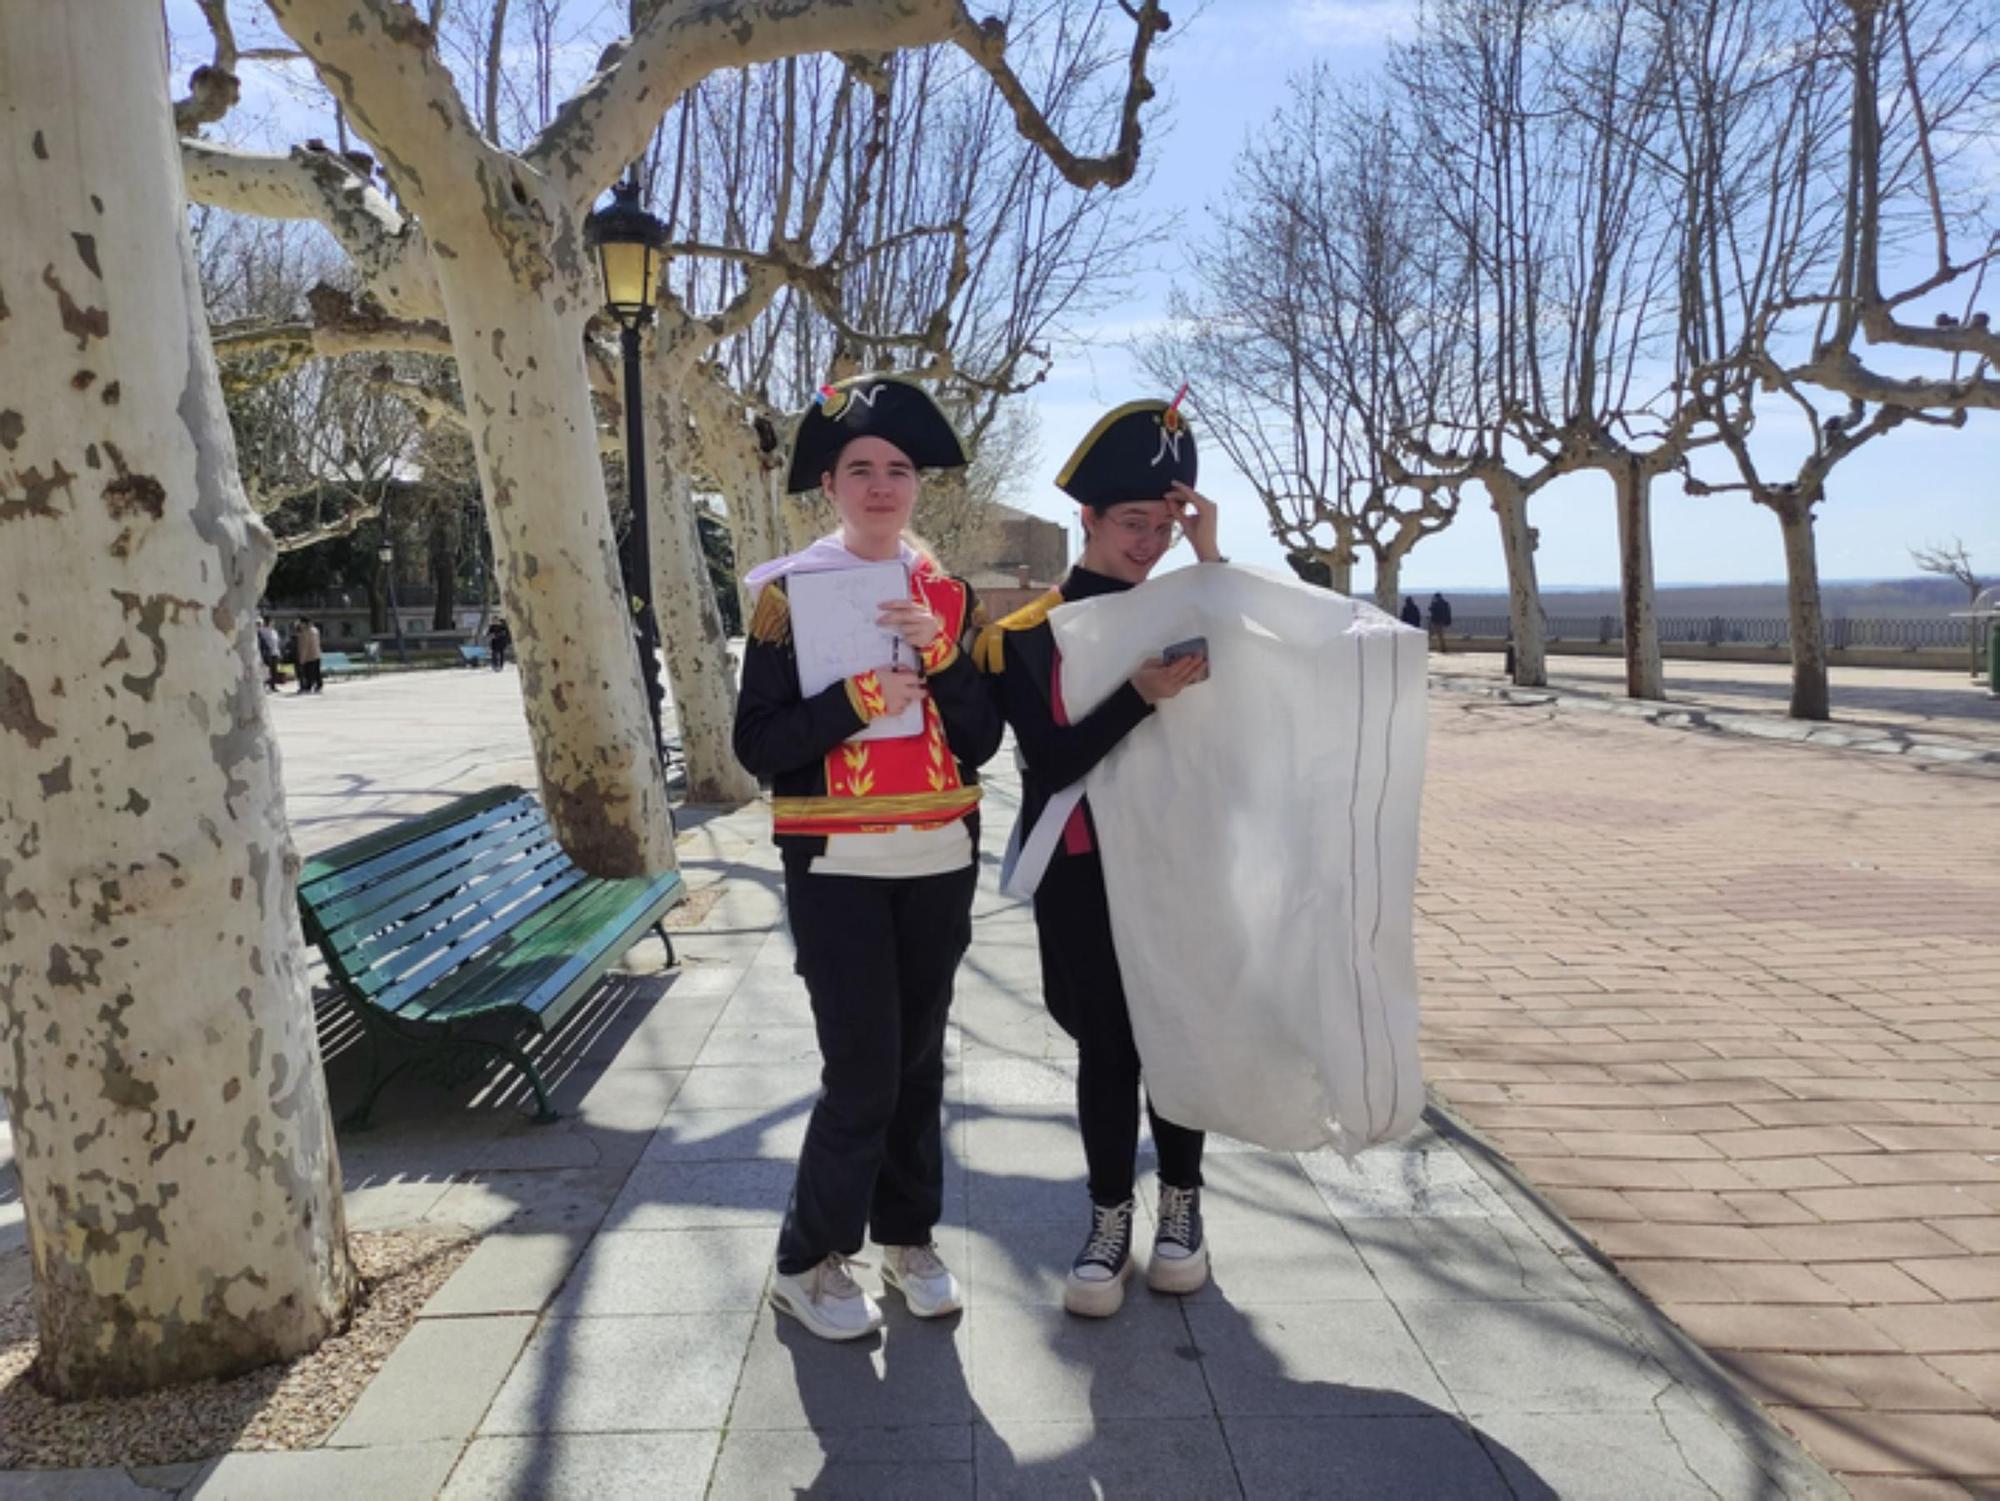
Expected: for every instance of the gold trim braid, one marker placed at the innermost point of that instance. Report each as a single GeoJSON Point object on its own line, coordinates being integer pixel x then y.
{"type": "Point", "coordinates": [989, 652]}
{"type": "Point", "coordinates": [771, 621]}
{"type": "Point", "coordinates": [1150, 404]}
{"type": "Point", "coordinates": [874, 809]}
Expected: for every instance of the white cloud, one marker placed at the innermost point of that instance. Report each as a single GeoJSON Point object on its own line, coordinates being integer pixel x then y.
{"type": "Point", "coordinates": [1353, 23]}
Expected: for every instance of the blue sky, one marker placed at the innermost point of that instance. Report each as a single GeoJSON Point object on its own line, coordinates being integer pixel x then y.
{"type": "Point", "coordinates": [1220, 77]}
{"type": "Point", "coordinates": [1220, 80]}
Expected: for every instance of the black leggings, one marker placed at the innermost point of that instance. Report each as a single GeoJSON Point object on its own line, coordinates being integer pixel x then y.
{"type": "Point", "coordinates": [878, 958]}
{"type": "Point", "coordinates": [1086, 995]}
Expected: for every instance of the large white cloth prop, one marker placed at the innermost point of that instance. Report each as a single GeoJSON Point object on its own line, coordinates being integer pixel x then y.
{"type": "Point", "coordinates": [1260, 853]}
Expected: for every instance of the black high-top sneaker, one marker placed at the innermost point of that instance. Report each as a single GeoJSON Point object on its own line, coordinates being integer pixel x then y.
{"type": "Point", "coordinates": [1180, 1253]}
{"type": "Point", "coordinates": [1096, 1285]}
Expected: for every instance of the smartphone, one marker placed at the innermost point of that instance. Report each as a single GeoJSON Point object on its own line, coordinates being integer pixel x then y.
{"type": "Point", "coordinates": [1194, 646]}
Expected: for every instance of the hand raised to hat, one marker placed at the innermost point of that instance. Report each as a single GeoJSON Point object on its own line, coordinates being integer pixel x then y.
{"type": "Point", "coordinates": [1196, 514]}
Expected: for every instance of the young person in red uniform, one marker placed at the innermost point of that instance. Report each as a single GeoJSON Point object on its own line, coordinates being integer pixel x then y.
{"type": "Point", "coordinates": [879, 840]}
{"type": "Point", "coordinates": [1134, 475]}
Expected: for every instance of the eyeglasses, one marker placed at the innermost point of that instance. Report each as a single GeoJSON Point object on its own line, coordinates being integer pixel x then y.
{"type": "Point", "coordinates": [1138, 529]}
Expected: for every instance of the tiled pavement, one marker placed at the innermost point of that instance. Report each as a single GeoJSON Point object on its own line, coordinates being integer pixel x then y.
{"type": "Point", "coordinates": [1735, 1008]}
{"type": "Point", "coordinates": [1414, 1327]}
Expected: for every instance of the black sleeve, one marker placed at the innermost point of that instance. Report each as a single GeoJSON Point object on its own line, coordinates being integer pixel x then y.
{"type": "Point", "coordinates": [776, 729]}
{"type": "Point", "coordinates": [1061, 754]}
{"type": "Point", "coordinates": [972, 722]}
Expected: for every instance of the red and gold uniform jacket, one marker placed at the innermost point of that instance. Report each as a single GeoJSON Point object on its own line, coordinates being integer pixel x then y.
{"type": "Point", "coordinates": [824, 783]}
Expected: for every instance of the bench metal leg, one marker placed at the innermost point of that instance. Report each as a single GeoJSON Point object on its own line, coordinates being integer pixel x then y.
{"type": "Point", "coordinates": [667, 938]}
{"type": "Point", "coordinates": [523, 1064]}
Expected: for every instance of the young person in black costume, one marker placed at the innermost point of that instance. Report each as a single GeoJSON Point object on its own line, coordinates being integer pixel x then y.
{"type": "Point", "coordinates": [880, 839]}
{"type": "Point", "coordinates": [1134, 475]}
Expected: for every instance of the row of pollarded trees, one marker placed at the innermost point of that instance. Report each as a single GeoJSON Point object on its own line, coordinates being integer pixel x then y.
{"type": "Point", "coordinates": [1727, 244]}
{"type": "Point", "coordinates": [157, 1048]}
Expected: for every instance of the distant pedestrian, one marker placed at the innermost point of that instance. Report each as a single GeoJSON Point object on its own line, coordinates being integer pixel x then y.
{"type": "Point", "coordinates": [1440, 621]}
{"type": "Point", "coordinates": [269, 651]}
{"type": "Point", "coordinates": [1412, 615]}
{"type": "Point", "coordinates": [311, 676]}
{"type": "Point", "coordinates": [498, 639]}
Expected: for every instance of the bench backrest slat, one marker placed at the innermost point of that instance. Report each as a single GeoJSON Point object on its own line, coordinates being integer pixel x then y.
{"type": "Point", "coordinates": [408, 839]}
{"type": "Point", "coordinates": [422, 965]}
{"type": "Point", "coordinates": [369, 920]}
{"type": "Point", "coordinates": [390, 881]}
{"type": "Point", "coordinates": [480, 887]}
{"type": "Point", "coordinates": [546, 956]}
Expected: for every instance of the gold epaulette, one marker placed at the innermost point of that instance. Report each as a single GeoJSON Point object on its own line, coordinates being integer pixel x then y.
{"type": "Point", "coordinates": [771, 621]}
{"type": "Point", "coordinates": [990, 650]}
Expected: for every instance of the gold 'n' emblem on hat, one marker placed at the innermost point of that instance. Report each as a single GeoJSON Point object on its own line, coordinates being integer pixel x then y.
{"type": "Point", "coordinates": [1172, 428]}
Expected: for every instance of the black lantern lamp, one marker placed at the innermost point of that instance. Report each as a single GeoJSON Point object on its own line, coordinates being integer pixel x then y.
{"type": "Point", "coordinates": [630, 245]}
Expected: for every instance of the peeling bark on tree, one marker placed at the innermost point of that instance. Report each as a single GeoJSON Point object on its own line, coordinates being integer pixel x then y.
{"type": "Point", "coordinates": [1645, 677]}
{"type": "Point", "coordinates": [1524, 592]}
{"type": "Point", "coordinates": [157, 1047]}
{"type": "Point", "coordinates": [691, 634]}
{"type": "Point", "coordinates": [1810, 696]}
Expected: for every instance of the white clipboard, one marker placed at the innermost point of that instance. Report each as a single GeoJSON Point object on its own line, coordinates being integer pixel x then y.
{"type": "Point", "coordinates": [836, 637]}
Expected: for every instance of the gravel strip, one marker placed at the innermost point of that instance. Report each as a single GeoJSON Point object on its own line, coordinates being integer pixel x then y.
{"type": "Point", "coordinates": [290, 1406]}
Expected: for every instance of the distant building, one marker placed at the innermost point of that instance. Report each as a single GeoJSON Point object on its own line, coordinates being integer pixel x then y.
{"type": "Point", "coordinates": [1023, 558]}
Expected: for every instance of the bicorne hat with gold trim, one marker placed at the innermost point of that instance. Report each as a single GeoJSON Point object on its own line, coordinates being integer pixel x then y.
{"type": "Point", "coordinates": [888, 407]}
{"type": "Point", "coordinates": [1134, 453]}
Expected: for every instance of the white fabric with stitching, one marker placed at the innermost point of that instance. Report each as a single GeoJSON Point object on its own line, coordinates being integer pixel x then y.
{"type": "Point", "coordinates": [1259, 836]}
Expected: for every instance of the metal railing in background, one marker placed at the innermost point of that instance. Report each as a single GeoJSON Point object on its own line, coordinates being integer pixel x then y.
{"type": "Point", "coordinates": [1843, 633]}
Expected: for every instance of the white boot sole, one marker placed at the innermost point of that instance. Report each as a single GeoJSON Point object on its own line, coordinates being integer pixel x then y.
{"type": "Point", "coordinates": [917, 1309]}
{"type": "Point", "coordinates": [1096, 1300]}
{"type": "Point", "coordinates": [1180, 1277]}
{"type": "Point", "coordinates": [820, 1327]}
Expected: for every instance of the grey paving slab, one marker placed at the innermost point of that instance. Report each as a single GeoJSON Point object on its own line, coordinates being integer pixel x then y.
{"type": "Point", "coordinates": [437, 1383]}
{"type": "Point", "coordinates": [669, 1271]}
{"type": "Point", "coordinates": [539, 1200]}
{"type": "Point", "coordinates": [1278, 1260]}
{"type": "Point", "coordinates": [739, 1135]}
{"type": "Point", "coordinates": [1414, 1456]}
{"type": "Point", "coordinates": [1663, 1456]}
{"type": "Point", "coordinates": [703, 1196]}
{"type": "Point", "coordinates": [658, 1466]}
{"type": "Point", "coordinates": [1456, 1259]}
{"type": "Point", "coordinates": [1426, 1181]}
{"type": "Point", "coordinates": [1319, 1360]}
{"type": "Point", "coordinates": [106, 1484]}
{"type": "Point", "coordinates": [624, 1375]}
{"type": "Point", "coordinates": [761, 1045]}
{"type": "Point", "coordinates": [1040, 1363]}
{"type": "Point", "coordinates": [1264, 1187]}
{"type": "Point", "coordinates": [508, 1273]}
{"type": "Point", "coordinates": [1536, 1357]}
{"type": "Point", "coordinates": [907, 1463]}
{"type": "Point", "coordinates": [737, 1086]}
{"type": "Point", "coordinates": [398, 1472]}
{"type": "Point", "coordinates": [912, 1373]}
{"type": "Point", "coordinates": [1161, 1459]}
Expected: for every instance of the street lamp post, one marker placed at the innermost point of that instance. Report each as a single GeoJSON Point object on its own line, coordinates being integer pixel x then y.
{"type": "Point", "coordinates": [386, 555]}
{"type": "Point", "coordinates": [629, 241]}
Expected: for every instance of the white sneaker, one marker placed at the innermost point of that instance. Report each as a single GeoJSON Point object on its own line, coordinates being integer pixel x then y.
{"type": "Point", "coordinates": [923, 1279]}
{"type": "Point", "coordinates": [1180, 1252]}
{"type": "Point", "coordinates": [827, 1300]}
{"type": "Point", "coordinates": [1095, 1287]}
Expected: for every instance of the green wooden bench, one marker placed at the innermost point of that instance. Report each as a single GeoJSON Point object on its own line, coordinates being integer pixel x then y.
{"type": "Point", "coordinates": [468, 919]}
{"type": "Point", "coordinates": [338, 664]}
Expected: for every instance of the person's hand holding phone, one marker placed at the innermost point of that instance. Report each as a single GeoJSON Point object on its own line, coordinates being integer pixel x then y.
{"type": "Point", "coordinates": [1159, 678]}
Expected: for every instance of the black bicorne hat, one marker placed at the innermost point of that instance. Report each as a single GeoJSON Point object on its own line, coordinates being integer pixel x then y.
{"type": "Point", "coordinates": [1134, 453]}
{"type": "Point", "coordinates": [888, 407]}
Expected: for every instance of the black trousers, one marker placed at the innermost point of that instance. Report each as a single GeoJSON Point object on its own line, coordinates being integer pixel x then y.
{"type": "Point", "coordinates": [312, 677]}
{"type": "Point", "coordinates": [878, 958]}
{"type": "Point", "coordinates": [1086, 996]}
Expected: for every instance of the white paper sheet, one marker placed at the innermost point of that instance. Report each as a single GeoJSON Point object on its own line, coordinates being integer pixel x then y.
{"type": "Point", "coordinates": [835, 634]}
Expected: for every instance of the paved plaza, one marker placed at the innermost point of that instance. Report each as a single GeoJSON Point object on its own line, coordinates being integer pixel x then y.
{"type": "Point", "coordinates": [1732, 1007]}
